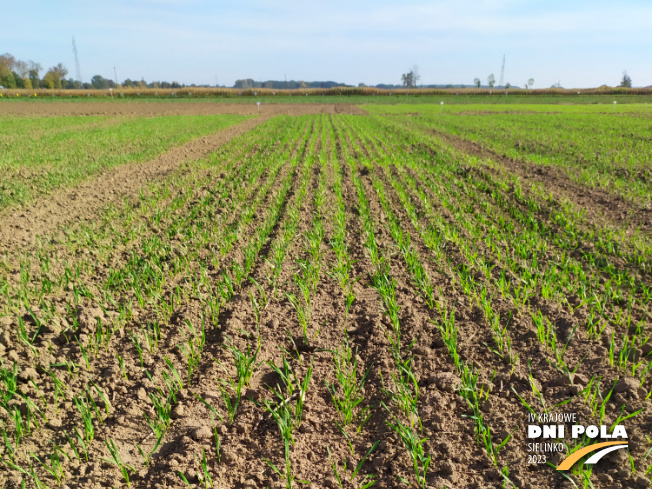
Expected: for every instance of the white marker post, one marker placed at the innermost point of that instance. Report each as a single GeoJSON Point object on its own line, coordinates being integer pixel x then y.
{"type": "Point", "coordinates": [614, 106]}
{"type": "Point", "coordinates": [111, 90]}
{"type": "Point", "coordinates": [258, 104]}
{"type": "Point", "coordinates": [441, 106]}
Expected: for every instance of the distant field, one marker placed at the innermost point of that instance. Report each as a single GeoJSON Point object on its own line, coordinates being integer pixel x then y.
{"type": "Point", "coordinates": [350, 296]}
{"type": "Point", "coordinates": [313, 96]}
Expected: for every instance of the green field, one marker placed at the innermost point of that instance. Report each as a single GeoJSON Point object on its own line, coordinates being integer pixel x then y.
{"type": "Point", "coordinates": [594, 145]}
{"type": "Point", "coordinates": [334, 299]}
{"type": "Point", "coordinates": [42, 154]}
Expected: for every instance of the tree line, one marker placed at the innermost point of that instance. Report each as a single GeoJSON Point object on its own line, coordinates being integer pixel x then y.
{"type": "Point", "coordinates": [15, 73]}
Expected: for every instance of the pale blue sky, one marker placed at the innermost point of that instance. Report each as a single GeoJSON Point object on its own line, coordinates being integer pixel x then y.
{"type": "Point", "coordinates": [580, 44]}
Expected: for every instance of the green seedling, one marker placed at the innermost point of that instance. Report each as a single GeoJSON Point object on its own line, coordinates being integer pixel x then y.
{"type": "Point", "coordinates": [10, 450]}
{"type": "Point", "coordinates": [117, 461]}
{"type": "Point", "coordinates": [208, 481]}
{"type": "Point", "coordinates": [366, 482]}
{"type": "Point", "coordinates": [415, 448]}
{"type": "Point", "coordinates": [84, 408]}
{"type": "Point", "coordinates": [175, 373]}
{"type": "Point", "coordinates": [135, 339]}
{"type": "Point", "coordinates": [55, 469]}
{"type": "Point", "coordinates": [122, 365]}
{"type": "Point", "coordinates": [346, 393]}
{"type": "Point", "coordinates": [217, 444]}
{"type": "Point", "coordinates": [147, 456]}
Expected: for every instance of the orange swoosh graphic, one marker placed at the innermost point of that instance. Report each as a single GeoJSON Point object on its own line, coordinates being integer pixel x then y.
{"type": "Point", "coordinates": [570, 461]}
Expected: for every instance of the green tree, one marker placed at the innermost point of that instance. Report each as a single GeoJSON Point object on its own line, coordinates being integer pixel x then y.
{"type": "Point", "coordinates": [50, 81]}
{"type": "Point", "coordinates": [19, 80]}
{"type": "Point", "coordinates": [34, 73]}
{"type": "Point", "coordinates": [626, 81]}
{"type": "Point", "coordinates": [60, 70]}
{"type": "Point", "coordinates": [99, 82]}
{"type": "Point", "coordinates": [7, 78]}
{"type": "Point", "coordinates": [491, 80]}
{"type": "Point", "coordinates": [476, 82]}
{"type": "Point", "coordinates": [411, 78]}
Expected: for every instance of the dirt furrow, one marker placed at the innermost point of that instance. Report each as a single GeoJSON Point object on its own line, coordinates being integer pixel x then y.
{"type": "Point", "coordinates": [24, 225]}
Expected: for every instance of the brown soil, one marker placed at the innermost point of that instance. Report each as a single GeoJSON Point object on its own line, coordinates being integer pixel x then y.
{"type": "Point", "coordinates": [601, 206]}
{"type": "Point", "coordinates": [169, 108]}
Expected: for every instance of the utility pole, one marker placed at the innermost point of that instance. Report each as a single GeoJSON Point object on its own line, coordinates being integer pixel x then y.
{"type": "Point", "coordinates": [115, 74]}
{"type": "Point", "coordinates": [501, 83]}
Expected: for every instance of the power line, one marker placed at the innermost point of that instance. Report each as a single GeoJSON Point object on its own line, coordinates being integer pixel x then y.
{"type": "Point", "coordinates": [74, 51]}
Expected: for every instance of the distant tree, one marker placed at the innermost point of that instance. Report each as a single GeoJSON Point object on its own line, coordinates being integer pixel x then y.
{"type": "Point", "coordinates": [19, 80]}
{"type": "Point", "coordinates": [60, 70]}
{"type": "Point", "coordinates": [54, 77]}
{"type": "Point", "coordinates": [411, 78]}
{"type": "Point", "coordinates": [508, 85]}
{"type": "Point", "coordinates": [70, 84]}
{"type": "Point", "coordinates": [7, 78]}
{"type": "Point", "coordinates": [22, 68]}
{"type": "Point", "coordinates": [529, 83]}
{"type": "Point", "coordinates": [34, 73]}
{"type": "Point", "coordinates": [626, 81]}
{"type": "Point", "coordinates": [99, 82]}
{"type": "Point", "coordinates": [476, 82]}
{"type": "Point", "coordinates": [361, 85]}
{"type": "Point", "coordinates": [7, 61]}
{"type": "Point", "coordinates": [244, 84]}
{"type": "Point", "coordinates": [50, 81]}
{"type": "Point", "coordinates": [491, 80]}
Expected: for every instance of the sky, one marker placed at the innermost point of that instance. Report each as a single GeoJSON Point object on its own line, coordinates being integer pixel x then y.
{"type": "Point", "coordinates": [577, 43]}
